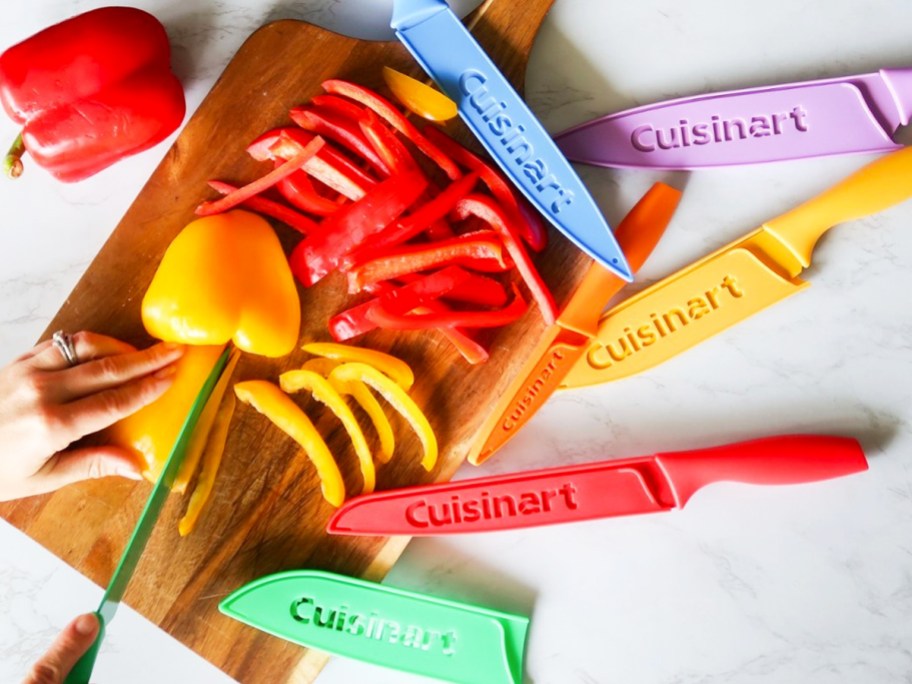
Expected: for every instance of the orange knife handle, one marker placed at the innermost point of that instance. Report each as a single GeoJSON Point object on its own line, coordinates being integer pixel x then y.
{"type": "Point", "coordinates": [564, 342]}
{"type": "Point", "coordinates": [637, 235]}
{"type": "Point", "coordinates": [871, 189]}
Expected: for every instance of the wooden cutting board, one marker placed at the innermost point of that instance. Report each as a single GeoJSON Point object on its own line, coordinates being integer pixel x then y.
{"type": "Point", "coordinates": [267, 513]}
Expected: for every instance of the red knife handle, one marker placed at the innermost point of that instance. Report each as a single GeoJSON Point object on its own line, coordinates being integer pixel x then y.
{"type": "Point", "coordinates": [790, 459]}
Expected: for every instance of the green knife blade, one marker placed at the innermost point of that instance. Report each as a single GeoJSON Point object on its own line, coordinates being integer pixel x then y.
{"type": "Point", "coordinates": [147, 519]}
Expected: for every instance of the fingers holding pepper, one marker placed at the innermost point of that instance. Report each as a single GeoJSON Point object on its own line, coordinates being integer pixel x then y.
{"type": "Point", "coordinates": [46, 405]}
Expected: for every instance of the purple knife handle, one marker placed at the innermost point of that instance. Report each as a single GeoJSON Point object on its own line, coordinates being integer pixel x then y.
{"type": "Point", "coordinates": [792, 459]}
{"type": "Point", "coordinates": [899, 81]}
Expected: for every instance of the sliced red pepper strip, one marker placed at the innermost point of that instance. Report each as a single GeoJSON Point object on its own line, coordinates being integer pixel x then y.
{"type": "Point", "coordinates": [263, 205]}
{"type": "Point", "coordinates": [479, 290]}
{"type": "Point", "coordinates": [385, 143]}
{"type": "Point", "coordinates": [329, 166]}
{"type": "Point", "coordinates": [420, 291]}
{"type": "Point", "coordinates": [385, 110]}
{"type": "Point", "coordinates": [439, 319]}
{"type": "Point", "coordinates": [240, 195]}
{"type": "Point", "coordinates": [340, 233]}
{"type": "Point", "coordinates": [340, 129]}
{"type": "Point", "coordinates": [299, 190]}
{"type": "Point", "coordinates": [427, 215]}
{"type": "Point", "coordinates": [486, 209]}
{"type": "Point", "coordinates": [530, 223]}
{"type": "Point", "coordinates": [471, 351]}
{"type": "Point", "coordinates": [472, 288]}
{"type": "Point", "coordinates": [339, 104]}
{"type": "Point", "coordinates": [482, 251]}
{"type": "Point", "coordinates": [440, 230]}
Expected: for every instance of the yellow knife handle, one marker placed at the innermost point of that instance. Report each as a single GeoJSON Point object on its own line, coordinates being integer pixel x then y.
{"type": "Point", "coordinates": [875, 187]}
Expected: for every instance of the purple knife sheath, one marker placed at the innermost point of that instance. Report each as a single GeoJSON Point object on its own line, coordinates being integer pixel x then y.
{"type": "Point", "coordinates": [775, 123]}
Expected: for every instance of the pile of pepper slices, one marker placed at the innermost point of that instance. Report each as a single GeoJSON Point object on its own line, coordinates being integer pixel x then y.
{"type": "Point", "coordinates": [432, 234]}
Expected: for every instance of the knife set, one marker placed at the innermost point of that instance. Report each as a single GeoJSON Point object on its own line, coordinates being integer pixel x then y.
{"type": "Point", "coordinates": [463, 643]}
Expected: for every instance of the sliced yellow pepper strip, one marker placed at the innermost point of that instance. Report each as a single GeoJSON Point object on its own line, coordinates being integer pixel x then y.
{"type": "Point", "coordinates": [367, 401]}
{"type": "Point", "coordinates": [320, 388]}
{"type": "Point", "coordinates": [399, 400]}
{"type": "Point", "coordinates": [395, 368]}
{"type": "Point", "coordinates": [204, 427]}
{"type": "Point", "coordinates": [278, 407]}
{"type": "Point", "coordinates": [212, 459]}
{"type": "Point", "coordinates": [418, 97]}
{"type": "Point", "coordinates": [322, 366]}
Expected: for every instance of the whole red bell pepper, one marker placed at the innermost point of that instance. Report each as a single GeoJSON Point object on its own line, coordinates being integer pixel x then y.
{"type": "Point", "coordinates": [89, 91]}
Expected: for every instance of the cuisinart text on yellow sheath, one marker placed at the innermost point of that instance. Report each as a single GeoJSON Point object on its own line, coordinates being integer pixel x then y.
{"type": "Point", "coordinates": [664, 324]}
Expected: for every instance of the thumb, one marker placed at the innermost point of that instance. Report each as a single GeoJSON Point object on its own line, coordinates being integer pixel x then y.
{"type": "Point", "coordinates": [89, 463]}
{"type": "Point", "coordinates": [75, 639]}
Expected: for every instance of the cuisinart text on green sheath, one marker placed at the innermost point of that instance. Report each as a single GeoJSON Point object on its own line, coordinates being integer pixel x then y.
{"type": "Point", "coordinates": [308, 611]}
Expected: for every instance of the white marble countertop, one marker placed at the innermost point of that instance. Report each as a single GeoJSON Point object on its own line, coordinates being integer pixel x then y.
{"type": "Point", "coordinates": [809, 584]}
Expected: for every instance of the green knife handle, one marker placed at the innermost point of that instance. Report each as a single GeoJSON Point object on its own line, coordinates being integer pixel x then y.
{"type": "Point", "coordinates": [875, 187]}
{"type": "Point", "coordinates": [82, 670]}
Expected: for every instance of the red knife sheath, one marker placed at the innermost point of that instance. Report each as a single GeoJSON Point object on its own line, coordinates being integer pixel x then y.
{"type": "Point", "coordinates": [645, 484]}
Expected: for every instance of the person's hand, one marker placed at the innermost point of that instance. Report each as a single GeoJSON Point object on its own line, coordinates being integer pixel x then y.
{"type": "Point", "coordinates": [75, 639]}
{"type": "Point", "coordinates": [46, 404]}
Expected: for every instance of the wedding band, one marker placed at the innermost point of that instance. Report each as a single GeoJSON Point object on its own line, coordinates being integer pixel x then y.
{"type": "Point", "coordinates": [64, 343]}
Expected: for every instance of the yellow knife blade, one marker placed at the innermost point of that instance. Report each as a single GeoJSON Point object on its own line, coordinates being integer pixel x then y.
{"type": "Point", "coordinates": [736, 281]}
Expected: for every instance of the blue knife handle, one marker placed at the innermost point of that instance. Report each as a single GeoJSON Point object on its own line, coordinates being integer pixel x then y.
{"type": "Point", "coordinates": [502, 121]}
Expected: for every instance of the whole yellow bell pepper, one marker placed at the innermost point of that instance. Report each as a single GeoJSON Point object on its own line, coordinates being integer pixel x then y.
{"type": "Point", "coordinates": [224, 278]}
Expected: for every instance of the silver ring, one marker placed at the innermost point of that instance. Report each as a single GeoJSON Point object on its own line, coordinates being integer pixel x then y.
{"type": "Point", "coordinates": [64, 344]}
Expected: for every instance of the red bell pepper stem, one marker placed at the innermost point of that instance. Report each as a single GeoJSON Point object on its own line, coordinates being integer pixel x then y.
{"type": "Point", "coordinates": [343, 231]}
{"type": "Point", "coordinates": [260, 184]}
{"type": "Point", "coordinates": [263, 205]}
{"type": "Point", "coordinates": [392, 116]}
{"type": "Point", "coordinates": [530, 223]}
{"type": "Point", "coordinates": [437, 319]}
{"type": "Point", "coordinates": [486, 209]}
{"type": "Point", "coordinates": [476, 249]}
{"type": "Point", "coordinates": [12, 163]}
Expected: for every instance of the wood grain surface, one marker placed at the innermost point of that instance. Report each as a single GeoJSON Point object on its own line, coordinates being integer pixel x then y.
{"type": "Point", "coordinates": [267, 514]}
